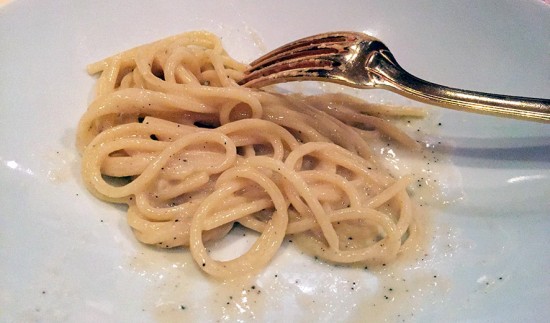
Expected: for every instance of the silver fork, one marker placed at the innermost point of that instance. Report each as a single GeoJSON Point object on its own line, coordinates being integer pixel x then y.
{"type": "Point", "coordinates": [361, 61]}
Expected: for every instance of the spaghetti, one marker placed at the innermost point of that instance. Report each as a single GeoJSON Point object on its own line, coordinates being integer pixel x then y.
{"type": "Point", "coordinates": [193, 154]}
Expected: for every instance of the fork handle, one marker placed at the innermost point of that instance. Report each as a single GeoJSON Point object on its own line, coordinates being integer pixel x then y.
{"type": "Point", "coordinates": [386, 73]}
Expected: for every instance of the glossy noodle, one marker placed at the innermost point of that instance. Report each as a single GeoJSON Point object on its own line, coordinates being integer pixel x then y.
{"type": "Point", "coordinates": [193, 154]}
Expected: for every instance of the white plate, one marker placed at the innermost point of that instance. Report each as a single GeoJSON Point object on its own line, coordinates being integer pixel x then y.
{"type": "Point", "coordinates": [65, 256]}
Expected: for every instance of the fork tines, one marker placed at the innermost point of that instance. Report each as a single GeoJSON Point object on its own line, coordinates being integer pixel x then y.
{"type": "Point", "coordinates": [308, 58]}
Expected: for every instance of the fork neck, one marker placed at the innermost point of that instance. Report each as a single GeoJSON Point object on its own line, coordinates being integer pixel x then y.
{"type": "Point", "coordinates": [385, 72]}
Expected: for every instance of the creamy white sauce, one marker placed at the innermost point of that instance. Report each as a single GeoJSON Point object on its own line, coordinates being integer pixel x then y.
{"type": "Point", "coordinates": [297, 287]}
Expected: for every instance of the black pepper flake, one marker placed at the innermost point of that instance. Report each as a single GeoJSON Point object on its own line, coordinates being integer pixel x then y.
{"type": "Point", "coordinates": [154, 137]}
{"type": "Point", "coordinates": [43, 292]}
{"type": "Point", "coordinates": [253, 287]}
{"type": "Point", "coordinates": [204, 264]}
{"type": "Point", "coordinates": [439, 124]}
{"type": "Point", "coordinates": [182, 307]}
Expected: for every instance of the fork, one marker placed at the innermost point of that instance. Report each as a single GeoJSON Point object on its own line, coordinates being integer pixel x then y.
{"type": "Point", "coordinates": [361, 61]}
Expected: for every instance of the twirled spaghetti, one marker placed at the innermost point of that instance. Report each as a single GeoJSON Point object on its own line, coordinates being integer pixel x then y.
{"type": "Point", "coordinates": [192, 154]}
